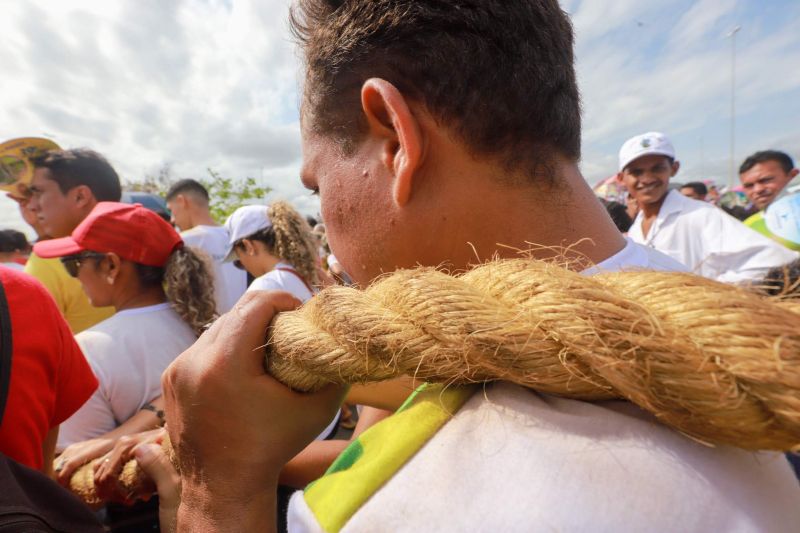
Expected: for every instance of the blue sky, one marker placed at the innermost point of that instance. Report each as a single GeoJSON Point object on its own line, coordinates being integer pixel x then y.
{"type": "Point", "coordinates": [666, 65]}
{"type": "Point", "coordinates": [199, 83]}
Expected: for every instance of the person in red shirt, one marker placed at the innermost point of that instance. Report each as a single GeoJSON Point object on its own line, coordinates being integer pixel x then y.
{"type": "Point", "coordinates": [50, 378]}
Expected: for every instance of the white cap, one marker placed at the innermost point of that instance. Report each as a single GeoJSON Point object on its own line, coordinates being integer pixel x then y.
{"type": "Point", "coordinates": [651, 143]}
{"type": "Point", "coordinates": [244, 222]}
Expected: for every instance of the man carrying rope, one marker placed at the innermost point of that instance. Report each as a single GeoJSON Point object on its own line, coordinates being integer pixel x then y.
{"type": "Point", "coordinates": [441, 133]}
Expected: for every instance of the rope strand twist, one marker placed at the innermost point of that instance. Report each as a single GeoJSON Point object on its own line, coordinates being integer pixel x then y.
{"type": "Point", "coordinates": [718, 363]}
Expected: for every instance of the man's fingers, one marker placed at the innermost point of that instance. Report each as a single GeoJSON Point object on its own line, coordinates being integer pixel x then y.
{"type": "Point", "coordinates": [157, 466]}
{"type": "Point", "coordinates": [248, 321]}
{"type": "Point", "coordinates": [256, 309]}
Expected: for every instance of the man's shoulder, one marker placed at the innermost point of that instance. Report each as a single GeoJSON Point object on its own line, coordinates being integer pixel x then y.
{"type": "Point", "coordinates": [38, 266]}
{"type": "Point", "coordinates": [637, 256]}
{"type": "Point", "coordinates": [212, 239]}
{"type": "Point", "coordinates": [685, 206]}
{"type": "Point", "coordinates": [511, 456]}
{"type": "Point", "coordinates": [202, 231]}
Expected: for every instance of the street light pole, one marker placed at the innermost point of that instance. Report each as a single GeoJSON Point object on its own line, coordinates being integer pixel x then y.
{"type": "Point", "coordinates": [732, 176]}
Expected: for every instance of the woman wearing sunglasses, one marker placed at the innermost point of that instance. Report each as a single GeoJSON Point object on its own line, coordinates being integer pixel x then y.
{"type": "Point", "coordinates": [128, 257]}
{"type": "Point", "coordinates": [275, 245]}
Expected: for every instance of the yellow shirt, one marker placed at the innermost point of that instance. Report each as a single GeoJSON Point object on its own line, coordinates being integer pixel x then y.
{"type": "Point", "coordinates": [67, 292]}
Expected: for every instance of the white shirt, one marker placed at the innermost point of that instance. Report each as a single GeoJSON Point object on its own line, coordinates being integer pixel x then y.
{"type": "Point", "coordinates": [128, 353]}
{"type": "Point", "coordinates": [710, 242]}
{"type": "Point", "coordinates": [512, 459]}
{"type": "Point", "coordinates": [283, 278]}
{"type": "Point", "coordinates": [14, 266]}
{"type": "Point", "coordinates": [229, 282]}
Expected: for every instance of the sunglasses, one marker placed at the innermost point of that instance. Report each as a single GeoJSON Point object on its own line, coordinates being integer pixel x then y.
{"type": "Point", "coordinates": [238, 264]}
{"type": "Point", "coordinates": [72, 263]}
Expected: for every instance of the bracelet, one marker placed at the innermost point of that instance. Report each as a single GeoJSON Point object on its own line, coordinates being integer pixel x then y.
{"type": "Point", "coordinates": [159, 413]}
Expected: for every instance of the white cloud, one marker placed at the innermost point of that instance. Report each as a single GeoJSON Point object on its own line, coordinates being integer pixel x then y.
{"type": "Point", "coordinates": [195, 83]}
{"type": "Point", "coordinates": [213, 83]}
{"type": "Point", "coordinates": [701, 20]}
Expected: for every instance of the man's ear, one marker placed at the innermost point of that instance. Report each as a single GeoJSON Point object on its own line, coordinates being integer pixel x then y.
{"type": "Point", "coordinates": [676, 166]}
{"type": "Point", "coordinates": [619, 178]}
{"type": "Point", "coordinates": [794, 172]}
{"type": "Point", "coordinates": [390, 118]}
{"type": "Point", "coordinates": [82, 196]}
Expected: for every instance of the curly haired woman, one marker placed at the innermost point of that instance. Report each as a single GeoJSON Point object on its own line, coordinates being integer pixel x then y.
{"type": "Point", "coordinates": [276, 246]}
{"type": "Point", "coordinates": [127, 257]}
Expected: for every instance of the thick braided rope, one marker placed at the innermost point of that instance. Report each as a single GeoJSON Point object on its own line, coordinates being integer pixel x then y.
{"type": "Point", "coordinates": [132, 479]}
{"type": "Point", "coordinates": [716, 362]}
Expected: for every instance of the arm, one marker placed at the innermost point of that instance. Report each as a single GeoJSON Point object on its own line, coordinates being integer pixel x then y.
{"type": "Point", "coordinates": [311, 463]}
{"type": "Point", "coordinates": [78, 429]}
{"type": "Point", "coordinates": [318, 456]}
{"type": "Point", "coordinates": [221, 406]}
{"type": "Point", "coordinates": [742, 254]}
{"type": "Point", "coordinates": [78, 454]}
{"type": "Point", "coordinates": [388, 395]}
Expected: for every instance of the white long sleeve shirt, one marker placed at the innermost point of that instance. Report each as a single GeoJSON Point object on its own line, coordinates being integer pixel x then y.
{"type": "Point", "coordinates": [710, 242]}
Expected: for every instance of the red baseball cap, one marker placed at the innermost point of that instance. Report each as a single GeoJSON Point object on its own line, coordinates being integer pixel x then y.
{"type": "Point", "coordinates": [132, 232]}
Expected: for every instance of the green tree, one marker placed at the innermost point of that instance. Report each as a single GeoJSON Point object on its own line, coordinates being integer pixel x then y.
{"type": "Point", "coordinates": [226, 194]}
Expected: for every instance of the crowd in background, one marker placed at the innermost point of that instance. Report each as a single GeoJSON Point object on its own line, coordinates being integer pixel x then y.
{"type": "Point", "coordinates": [111, 293]}
{"type": "Point", "coordinates": [136, 290]}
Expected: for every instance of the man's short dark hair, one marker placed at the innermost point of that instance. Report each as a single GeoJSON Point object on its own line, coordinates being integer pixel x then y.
{"type": "Point", "coordinates": [697, 186]}
{"type": "Point", "coordinates": [81, 166]}
{"type": "Point", "coordinates": [187, 186]}
{"type": "Point", "coordinates": [500, 74]}
{"type": "Point", "coordinates": [12, 240]}
{"type": "Point", "coordinates": [781, 158]}
{"type": "Point", "coordinates": [619, 214]}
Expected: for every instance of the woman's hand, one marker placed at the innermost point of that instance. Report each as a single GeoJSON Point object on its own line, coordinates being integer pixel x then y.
{"type": "Point", "coordinates": [107, 471]}
{"type": "Point", "coordinates": [78, 454]}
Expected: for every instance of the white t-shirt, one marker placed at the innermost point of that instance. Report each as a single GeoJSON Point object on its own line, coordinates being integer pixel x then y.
{"type": "Point", "coordinates": [282, 278]}
{"type": "Point", "coordinates": [710, 242]}
{"type": "Point", "coordinates": [512, 459]}
{"type": "Point", "coordinates": [14, 266]}
{"type": "Point", "coordinates": [230, 282]}
{"type": "Point", "coordinates": [128, 353]}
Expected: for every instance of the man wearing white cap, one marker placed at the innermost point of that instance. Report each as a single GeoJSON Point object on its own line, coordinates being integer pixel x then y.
{"type": "Point", "coordinates": [702, 237]}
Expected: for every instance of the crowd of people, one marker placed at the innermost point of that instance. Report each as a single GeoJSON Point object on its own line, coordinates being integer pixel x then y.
{"type": "Point", "coordinates": [128, 329]}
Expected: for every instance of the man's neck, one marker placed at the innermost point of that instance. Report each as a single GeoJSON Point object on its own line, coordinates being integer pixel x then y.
{"type": "Point", "coordinates": [650, 213]}
{"type": "Point", "coordinates": [202, 217]}
{"type": "Point", "coordinates": [651, 210]}
{"type": "Point", "coordinates": [561, 221]}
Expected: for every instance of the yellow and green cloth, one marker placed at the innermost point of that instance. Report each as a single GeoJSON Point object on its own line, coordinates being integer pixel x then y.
{"type": "Point", "coordinates": [378, 453]}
